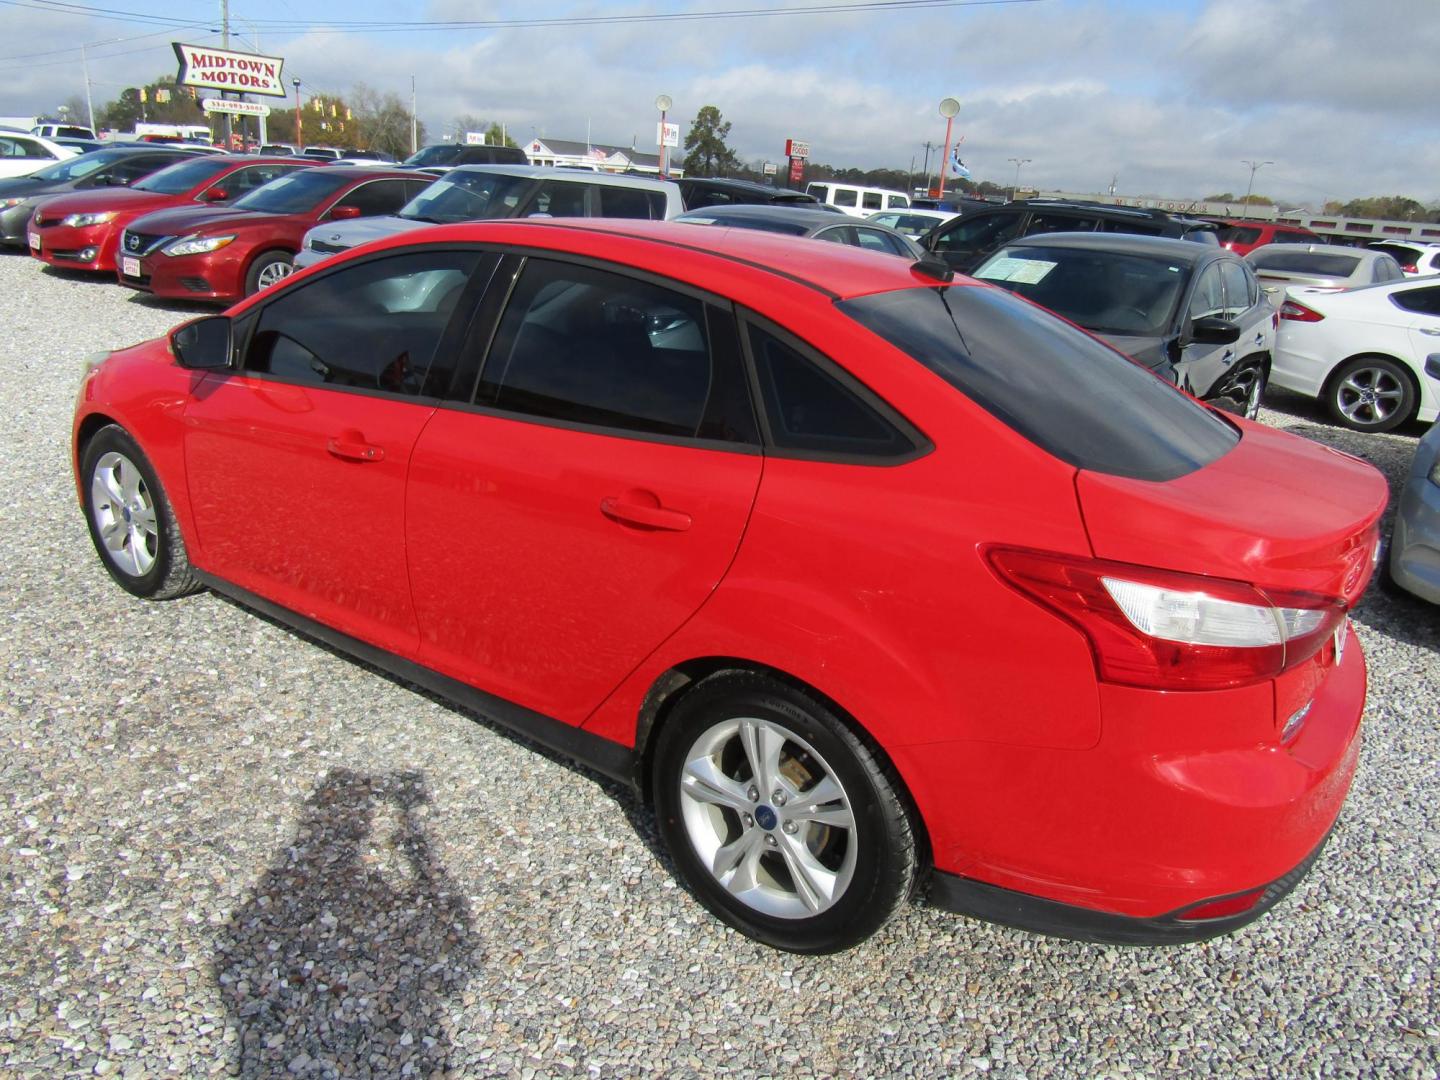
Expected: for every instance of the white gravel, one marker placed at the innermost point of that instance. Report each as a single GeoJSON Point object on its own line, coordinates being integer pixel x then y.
{"type": "Point", "coordinates": [225, 850]}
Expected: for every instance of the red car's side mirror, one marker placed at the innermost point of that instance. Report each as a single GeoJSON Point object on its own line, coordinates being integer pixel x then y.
{"type": "Point", "coordinates": [215, 194]}
{"type": "Point", "coordinates": [344, 213]}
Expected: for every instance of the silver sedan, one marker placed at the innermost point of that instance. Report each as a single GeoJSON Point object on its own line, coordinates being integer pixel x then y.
{"type": "Point", "coordinates": [1326, 266]}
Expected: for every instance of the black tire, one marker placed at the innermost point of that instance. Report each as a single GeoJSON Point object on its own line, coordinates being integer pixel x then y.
{"type": "Point", "coordinates": [878, 877]}
{"type": "Point", "coordinates": [149, 564]}
{"type": "Point", "coordinates": [266, 266]}
{"type": "Point", "coordinates": [1392, 393]}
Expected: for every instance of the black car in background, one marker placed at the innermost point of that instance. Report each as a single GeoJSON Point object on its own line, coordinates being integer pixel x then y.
{"type": "Point", "coordinates": [702, 191]}
{"type": "Point", "coordinates": [449, 155]}
{"type": "Point", "coordinates": [1192, 313]}
{"type": "Point", "coordinates": [965, 243]}
{"type": "Point", "coordinates": [813, 222]}
{"type": "Point", "coordinates": [114, 167]}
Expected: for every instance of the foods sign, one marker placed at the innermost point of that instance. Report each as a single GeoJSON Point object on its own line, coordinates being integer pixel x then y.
{"type": "Point", "coordinates": [243, 73]}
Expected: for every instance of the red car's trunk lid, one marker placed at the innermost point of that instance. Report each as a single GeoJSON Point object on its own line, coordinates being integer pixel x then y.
{"type": "Point", "coordinates": [1277, 511]}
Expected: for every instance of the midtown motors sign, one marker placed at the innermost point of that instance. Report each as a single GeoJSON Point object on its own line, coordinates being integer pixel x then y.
{"type": "Point", "coordinates": [217, 69]}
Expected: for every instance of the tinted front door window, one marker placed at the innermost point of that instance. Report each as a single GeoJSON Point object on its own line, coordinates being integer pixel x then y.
{"type": "Point", "coordinates": [1209, 295]}
{"type": "Point", "coordinates": [375, 326]}
{"type": "Point", "coordinates": [1237, 289]}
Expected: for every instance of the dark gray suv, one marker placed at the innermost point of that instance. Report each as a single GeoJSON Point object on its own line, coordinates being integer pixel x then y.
{"type": "Point", "coordinates": [965, 242]}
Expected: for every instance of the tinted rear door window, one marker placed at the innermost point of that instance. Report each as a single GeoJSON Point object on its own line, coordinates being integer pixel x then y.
{"type": "Point", "coordinates": [590, 347]}
{"type": "Point", "coordinates": [844, 198]}
{"type": "Point", "coordinates": [1069, 394]}
{"type": "Point", "coordinates": [1422, 301]}
{"type": "Point", "coordinates": [872, 200]}
{"type": "Point", "coordinates": [626, 202]}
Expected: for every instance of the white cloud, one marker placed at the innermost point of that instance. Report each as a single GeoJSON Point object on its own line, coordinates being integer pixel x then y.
{"type": "Point", "coordinates": [1171, 97]}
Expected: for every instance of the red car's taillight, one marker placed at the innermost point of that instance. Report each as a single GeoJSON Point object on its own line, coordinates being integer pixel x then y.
{"type": "Point", "coordinates": [1408, 268]}
{"type": "Point", "coordinates": [1299, 312]}
{"type": "Point", "coordinates": [1165, 630]}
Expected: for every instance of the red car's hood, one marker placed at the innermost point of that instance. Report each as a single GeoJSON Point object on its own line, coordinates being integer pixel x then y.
{"type": "Point", "coordinates": [123, 200]}
{"type": "Point", "coordinates": [1277, 511]}
{"type": "Point", "coordinates": [177, 220]}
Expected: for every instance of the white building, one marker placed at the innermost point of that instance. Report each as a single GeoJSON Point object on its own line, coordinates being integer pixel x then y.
{"type": "Point", "coordinates": [598, 156]}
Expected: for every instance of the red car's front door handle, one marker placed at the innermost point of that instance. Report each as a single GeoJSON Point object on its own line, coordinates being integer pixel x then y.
{"type": "Point", "coordinates": [351, 446]}
{"type": "Point", "coordinates": [633, 508]}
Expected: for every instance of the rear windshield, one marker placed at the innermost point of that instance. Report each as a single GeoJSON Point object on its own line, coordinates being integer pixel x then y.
{"type": "Point", "coordinates": [293, 193]}
{"type": "Point", "coordinates": [178, 179]}
{"type": "Point", "coordinates": [1238, 234]}
{"type": "Point", "coordinates": [1069, 394]}
{"type": "Point", "coordinates": [1305, 262]}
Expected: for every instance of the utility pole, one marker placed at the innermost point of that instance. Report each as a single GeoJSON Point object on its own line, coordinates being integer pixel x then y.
{"type": "Point", "coordinates": [89, 105]}
{"type": "Point", "coordinates": [928, 147]}
{"type": "Point", "coordinates": [1017, 162]}
{"type": "Point", "coordinates": [414, 124]}
{"type": "Point", "coordinates": [225, 32]}
{"type": "Point", "coordinates": [1255, 166]}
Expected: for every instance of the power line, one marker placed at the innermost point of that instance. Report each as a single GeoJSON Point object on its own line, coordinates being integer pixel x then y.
{"type": "Point", "coordinates": [835, 7]}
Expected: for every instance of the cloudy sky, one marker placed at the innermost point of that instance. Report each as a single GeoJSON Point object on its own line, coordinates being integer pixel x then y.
{"type": "Point", "coordinates": [1161, 96]}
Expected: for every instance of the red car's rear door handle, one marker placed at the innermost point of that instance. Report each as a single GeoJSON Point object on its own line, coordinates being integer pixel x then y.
{"type": "Point", "coordinates": [629, 509]}
{"type": "Point", "coordinates": [351, 446]}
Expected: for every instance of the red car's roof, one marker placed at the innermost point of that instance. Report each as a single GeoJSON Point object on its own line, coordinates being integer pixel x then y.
{"type": "Point", "coordinates": [837, 269]}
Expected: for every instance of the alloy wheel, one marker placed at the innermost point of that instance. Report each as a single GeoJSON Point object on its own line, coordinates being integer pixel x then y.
{"type": "Point", "coordinates": [124, 514]}
{"type": "Point", "coordinates": [1369, 396]}
{"type": "Point", "coordinates": [768, 818]}
{"type": "Point", "coordinates": [273, 272]}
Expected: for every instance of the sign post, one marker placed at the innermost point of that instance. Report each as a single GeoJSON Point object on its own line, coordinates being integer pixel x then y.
{"type": "Point", "coordinates": [797, 152]}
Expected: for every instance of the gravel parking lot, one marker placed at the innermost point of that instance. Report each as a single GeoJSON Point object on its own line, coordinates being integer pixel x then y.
{"type": "Point", "coordinates": [226, 850]}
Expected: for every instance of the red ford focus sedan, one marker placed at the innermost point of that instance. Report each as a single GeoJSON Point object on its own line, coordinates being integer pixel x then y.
{"type": "Point", "coordinates": [82, 231]}
{"type": "Point", "coordinates": [859, 573]}
{"type": "Point", "coordinates": [226, 253]}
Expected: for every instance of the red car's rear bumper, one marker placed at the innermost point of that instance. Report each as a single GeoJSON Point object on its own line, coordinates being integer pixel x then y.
{"type": "Point", "coordinates": [1179, 805]}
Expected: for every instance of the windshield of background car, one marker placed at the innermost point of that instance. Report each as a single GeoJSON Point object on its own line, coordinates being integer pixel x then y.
{"type": "Point", "coordinates": [1305, 262]}
{"type": "Point", "coordinates": [178, 179]}
{"type": "Point", "coordinates": [1238, 234]}
{"type": "Point", "coordinates": [468, 196]}
{"type": "Point", "coordinates": [293, 193]}
{"type": "Point", "coordinates": [76, 167]}
{"type": "Point", "coordinates": [1103, 291]}
{"type": "Point", "coordinates": [1070, 395]}
{"type": "Point", "coordinates": [433, 155]}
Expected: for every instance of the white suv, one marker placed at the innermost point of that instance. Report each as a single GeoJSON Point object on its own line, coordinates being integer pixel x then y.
{"type": "Point", "coordinates": [1416, 257]}
{"type": "Point", "coordinates": [478, 192]}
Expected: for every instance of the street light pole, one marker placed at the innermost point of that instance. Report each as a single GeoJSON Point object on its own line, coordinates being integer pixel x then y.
{"type": "Point", "coordinates": [299, 130]}
{"type": "Point", "coordinates": [1255, 166]}
{"type": "Point", "coordinates": [663, 103]}
{"type": "Point", "coordinates": [228, 125]}
{"type": "Point", "coordinates": [1017, 162]}
{"type": "Point", "coordinates": [948, 108]}
{"type": "Point", "coordinates": [414, 122]}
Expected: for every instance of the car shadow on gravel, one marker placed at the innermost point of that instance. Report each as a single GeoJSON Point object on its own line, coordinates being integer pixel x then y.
{"type": "Point", "coordinates": [345, 957]}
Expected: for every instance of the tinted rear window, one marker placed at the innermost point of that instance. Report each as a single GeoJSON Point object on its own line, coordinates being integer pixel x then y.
{"type": "Point", "coordinates": [1238, 234]}
{"type": "Point", "coordinates": [1071, 395]}
{"type": "Point", "coordinates": [1306, 262]}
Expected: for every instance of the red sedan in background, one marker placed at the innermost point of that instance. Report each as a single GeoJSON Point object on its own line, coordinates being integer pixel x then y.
{"type": "Point", "coordinates": [226, 253]}
{"type": "Point", "coordinates": [82, 232]}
